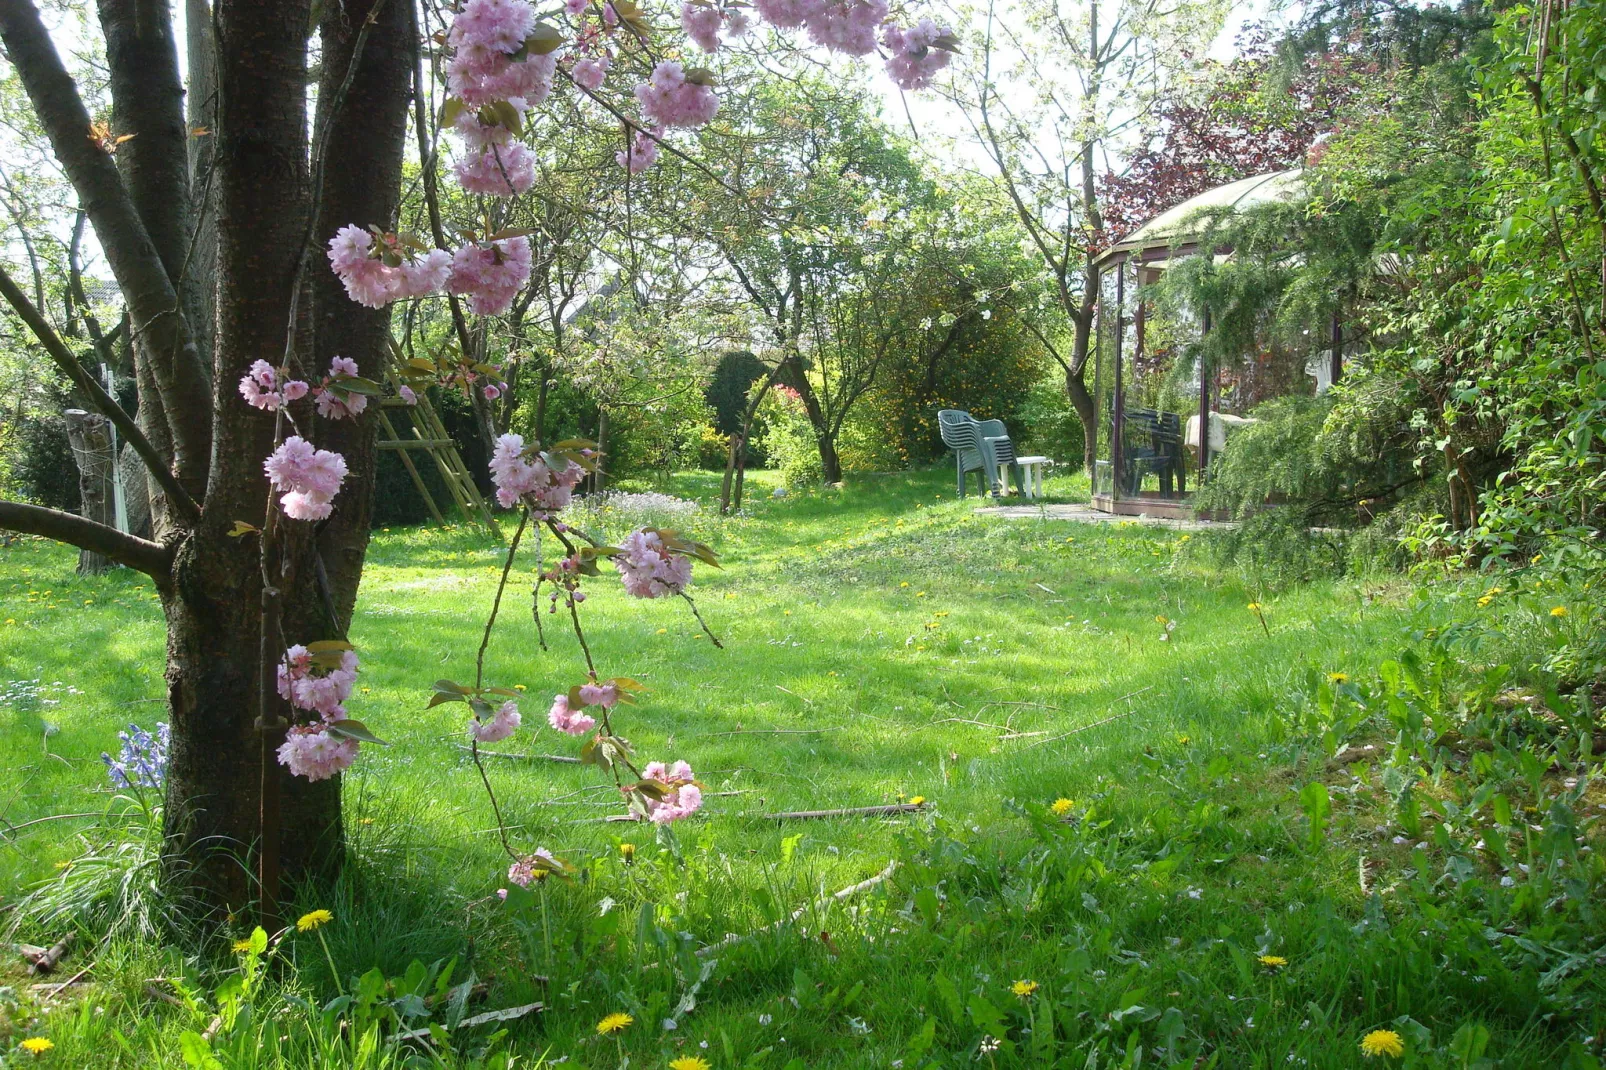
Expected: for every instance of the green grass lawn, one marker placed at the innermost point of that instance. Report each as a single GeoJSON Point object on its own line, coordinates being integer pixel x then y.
{"type": "Point", "coordinates": [881, 643]}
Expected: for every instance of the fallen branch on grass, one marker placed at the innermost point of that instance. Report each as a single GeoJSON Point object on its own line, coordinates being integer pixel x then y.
{"type": "Point", "coordinates": [510, 756]}
{"type": "Point", "coordinates": [45, 959]}
{"type": "Point", "coordinates": [1095, 724]}
{"type": "Point", "coordinates": [770, 732]}
{"type": "Point", "coordinates": [851, 811]}
{"type": "Point", "coordinates": [507, 1014]}
{"type": "Point", "coordinates": [835, 897]}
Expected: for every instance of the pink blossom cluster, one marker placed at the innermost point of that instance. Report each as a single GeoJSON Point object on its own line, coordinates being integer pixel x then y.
{"type": "Point", "coordinates": [589, 71]}
{"type": "Point", "coordinates": [649, 568]}
{"type": "Point", "coordinates": [260, 387]}
{"type": "Point", "coordinates": [520, 478]}
{"type": "Point", "coordinates": [310, 751]}
{"type": "Point", "coordinates": [309, 477]}
{"type": "Point", "coordinates": [913, 61]}
{"type": "Point", "coordinates": [498, 170]}
{"type": "Point", "coordinates": [849, 26]}
{"type": "Point", "coordinates": [305, 688]}
{"type": "Point", "coordinates": [483, 68]}
{"type": "Point", "coordinates": [700, 20]}
{"type": "Point", "coordinates": [569, 721]}
{"type": "Point", "coordinates": [490, 273]}
{"type": "Point", "coordinates": [642, 153]}
{"type": "Point", "coordinates": [333, 405]}
{"type": "Point", "coordinates": [668, 99]}
{"type": "Point", "coordinates": [503, 723]}
{"type": "Point", "coordinates": [372, 282]}
{"type": "Point", "coordinates": [682, 796]}
{"type": "Point", "coordinates": [788, 14]}
{"type": "Point", "coordinates": [531, 868]}
{"type": "Point", "coordinates": [407, 394]}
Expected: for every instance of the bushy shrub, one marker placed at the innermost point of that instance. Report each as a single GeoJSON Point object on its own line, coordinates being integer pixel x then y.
{"type": "Point", "coordinates": [788, 439]}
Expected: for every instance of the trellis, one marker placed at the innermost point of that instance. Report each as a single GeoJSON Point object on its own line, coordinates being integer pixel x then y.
{"type": "Point", "coordinates": [429, 436]}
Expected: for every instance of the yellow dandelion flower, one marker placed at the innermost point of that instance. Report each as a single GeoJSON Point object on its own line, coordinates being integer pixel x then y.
{"type": "Point", "coordinates": [1484, 601]}
{"type": "Point", "coordinates": [905, 583]}
{"type": "Point", "coordinates": [1558, 611]}
{"type": "Point", "coordinates": [1382, 1042]}
{"type": "Point", "coordinates": [917, 800]}
{"type": "Point", "coordinates": [1273, 962]}
{"type": "Point", "coordinates": [689, 1062]}
{"type": "Point", "coordinates": [1023, 988]}
{"type": "Point", "coordinates": [627, 851]}
{"type": "Point", "coordinates": [1337, 678]}
{"type": "Point", "coordinates": [1254, 607]}
{"type": "Point", "coordinates": [242, 946]}
{"type": "Point", "coordinates": [1062, 806]}
{"type": "Point", "coordinates": [37, 1045]}
{"type": "Point", "coordinates": [1184, 740]}
{"type": "Point", "coordinates": [311, 920]}
{"type": "Point", "coordinates": [614, 1023]}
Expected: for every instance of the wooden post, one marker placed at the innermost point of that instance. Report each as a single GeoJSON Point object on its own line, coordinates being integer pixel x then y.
{"type": "Point", "coordinates": [90, 436]}
{"type": "Point", "coordinates": [1118, 402]}
{"type": "Point", "coordinates": [1204, 400]}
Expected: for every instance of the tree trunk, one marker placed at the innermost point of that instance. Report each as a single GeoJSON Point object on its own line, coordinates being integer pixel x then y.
{"type": "Point", "coordinates": [599, 477]}
{"type": "Point", "coordinates": [90, 436]}
{"type": "Point", "coordinates": [795, 377]}
{"type": "Point", "coordinates": [1086, 407]}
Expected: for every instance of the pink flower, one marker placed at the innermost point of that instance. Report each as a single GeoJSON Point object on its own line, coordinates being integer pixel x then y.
{"type": "Point", "coordinates": [532, 867]}
{"type": "Point", "coordinates": [342, 366]}
{"type": "Point", "coordinates": [848, 26]}
{"type": "Point", "coordinates": [914, 61]}
{"type": "Point", "coordinates": [331, 407]}
{"type": "Point", "coordinates": [642, 154]}
{"type": "Point", "coordinates": [294, 390]}
{"type": "Point", "coordinates": [589, 73]}
{"type": "Point", "coordinates": [570, 722]}
{"type": "Point", "coordinates": [648, 568]}
{"type": "Point", "coordinates": [604, 695]}
{"type": "Point", "coordinates": [307, 689]}
{"type": "Point", "coordinates": [482, 76]}
{"type": "Point", "coordinates": [529, 479]}
{"type": "Point", "coordinates": [310, 477]}
{"type": "Point", "coordinates": [681, 795]}
{"type": "Point", "coordinates": [499, 171]}
{"type": "Point", "coordinates": [610, 17]}
{"type": "Point", "coordinates": [310, 751]}
{"type": "Point", "coordinates": [700, 19]}
{"type": "Point", "coordinates": [406, 394]}
{"type": "Point", "coordinates": [257, 387]}
{"type": "Point", "coordinates": [490, 274]}
{"type": "Point", "coordinates": [500, 25]}
{"type": "Point", "coordinates": [491, 391]}
{"type": "Point", "coordinates": [426, 275]}
{"type": "Point", "coordinates": [501, 725]}
{"type": "Point", "coordinates": [787, 14]}
{"type": "Point", "coordinates": [668, 99]}
{"type": "Point", "coordinates": [576, 7]}
{"type": "Point", "coordinates": [371, 282]}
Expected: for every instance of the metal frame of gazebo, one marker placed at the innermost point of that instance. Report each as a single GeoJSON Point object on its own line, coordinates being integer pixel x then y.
{"type": "Point", "coordinates": [1146, 254]}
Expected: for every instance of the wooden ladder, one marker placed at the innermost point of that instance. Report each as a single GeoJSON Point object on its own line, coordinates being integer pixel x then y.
{"type": "Point", "coordinates": [430, 435]}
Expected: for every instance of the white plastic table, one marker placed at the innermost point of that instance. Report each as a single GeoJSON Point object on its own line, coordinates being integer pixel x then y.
{"type": "Point", "coordinates": [1032, 474]}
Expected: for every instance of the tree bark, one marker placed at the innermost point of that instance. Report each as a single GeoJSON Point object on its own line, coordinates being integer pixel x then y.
{"type": "Point", "coordinates": [1087, 411]}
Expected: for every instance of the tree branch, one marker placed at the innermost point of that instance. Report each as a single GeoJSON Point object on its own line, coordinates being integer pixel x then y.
{"type": "Point", "coordinates": [151, 558]}
{"type": "Point", "coordinates": [178, 499]}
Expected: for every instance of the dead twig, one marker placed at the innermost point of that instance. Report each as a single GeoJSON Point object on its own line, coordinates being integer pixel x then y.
{"type": "Point", "coordinates": [767, 732]}
{"type": "Point", "coordinates": [835, 897]}
{"type": "Point", "coordinates": [850, 811]}
{"type": "Point", "coordinates": [45, 959]}
{"type": "Point", "coordinates": [505, 1015]}
{"type": "Point", "coordinates": [566, 759]}
{"type": "Point", "coordinates": [1095, 724]}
